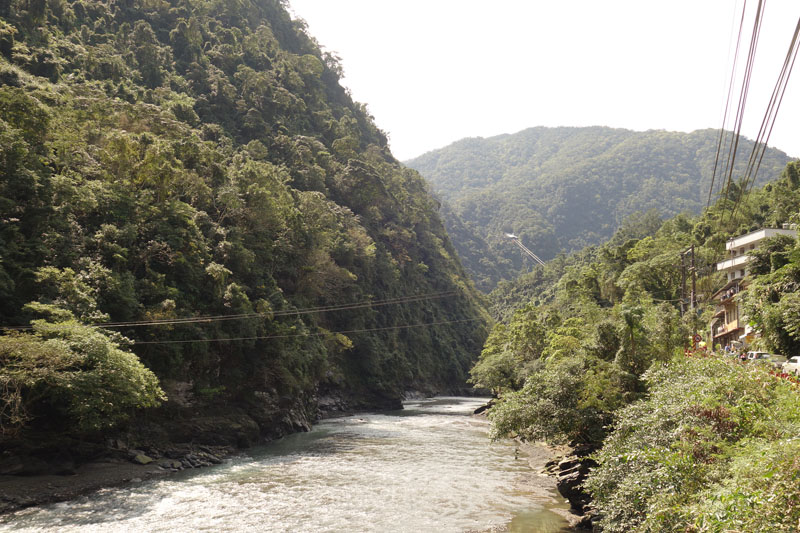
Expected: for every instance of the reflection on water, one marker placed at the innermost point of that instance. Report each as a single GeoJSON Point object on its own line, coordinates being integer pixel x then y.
{"type": "Point", "coordinates": [429, 467]}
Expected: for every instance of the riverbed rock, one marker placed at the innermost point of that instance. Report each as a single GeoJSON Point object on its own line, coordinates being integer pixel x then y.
{"type": "Point", "coordinates": [484, 409]}
{"type": "Point", "coordinates": [571, 472]}
{"type": "Point", "coordinates": [209, 458]}
{"type": "Point", "coordinates": [142, 459]}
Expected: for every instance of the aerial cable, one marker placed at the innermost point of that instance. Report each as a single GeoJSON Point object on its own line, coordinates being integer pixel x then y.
{"type": "Point", "coordinates": [743, 97]}
{"type": "Point", "coordinates": [285, 312]}
{"type": "Point", "coordinates": [288, 312]}
{"type": "Point", "coordinates": [772, 106]}
{"type": "Point", "coordinates": [527, 251]}
{"type": "Point", "coordinates": [315, 334]}
{"type": "Point", "coordinates": [524, 248]}
{"type": "Point", "coordinates": [731, 84]}
{"type": "Point", "coordinates": [770, 116]}
{"type": "Point", "coordinates": [736, 130]}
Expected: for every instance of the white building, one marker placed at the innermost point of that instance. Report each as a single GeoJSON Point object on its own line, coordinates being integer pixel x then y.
{"type": "Point", "coordinates": [736, 265]}
{"type": "Point", "coordinates": [728, 325]}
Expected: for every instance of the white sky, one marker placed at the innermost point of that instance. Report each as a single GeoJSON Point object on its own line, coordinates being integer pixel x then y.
{"type": "Point", "coordinates": [435, 71]}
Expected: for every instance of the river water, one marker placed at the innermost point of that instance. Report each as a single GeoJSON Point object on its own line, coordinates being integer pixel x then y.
{"type": "Point", "coordinates": [427, 468]}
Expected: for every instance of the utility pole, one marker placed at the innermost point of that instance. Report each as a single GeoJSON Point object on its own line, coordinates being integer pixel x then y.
{"type": "Point", "coordinates": [683, 285]}
{"type": "Point", "coordinates": [694, 283]}
{"type": "Point", "coordinates": [694, 298]}
{"type": "Point", "coordinates": [693, 293]}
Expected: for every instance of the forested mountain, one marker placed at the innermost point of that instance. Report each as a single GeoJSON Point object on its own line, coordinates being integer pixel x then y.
{"type": "Point", "coordinates": [561, 189]}
{"type": "Point", "coordinates": [593, 349]}
{"type": "Point", "coordinates": [163, 160]}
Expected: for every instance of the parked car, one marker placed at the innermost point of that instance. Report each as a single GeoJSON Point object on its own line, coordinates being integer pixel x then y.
{"type": "Point", "coordinates": [776, 360]}
{"type": "Point", "coordinates": [771, 358]}
{"type": "Point", "coordinates": [792, 366]}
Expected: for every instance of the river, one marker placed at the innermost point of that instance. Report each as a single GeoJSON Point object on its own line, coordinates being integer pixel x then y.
{"type": "Point", "coordinates": [427, 468]}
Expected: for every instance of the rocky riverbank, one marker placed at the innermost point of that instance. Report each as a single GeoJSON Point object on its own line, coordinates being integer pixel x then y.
{"type": "Point", "coordinates": [117, 467]}
{"type": "Point", "coordinates": [570, 470]}
{"type": "Point", "coordinates": [45, 468]}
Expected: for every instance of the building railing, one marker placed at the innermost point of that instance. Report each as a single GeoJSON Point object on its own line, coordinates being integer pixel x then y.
{"type": "Point", "coordinates": [733, 263]}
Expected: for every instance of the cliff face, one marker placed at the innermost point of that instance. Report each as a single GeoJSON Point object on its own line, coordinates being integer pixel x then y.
{"type": "Point", "coordinates": [162, 161]}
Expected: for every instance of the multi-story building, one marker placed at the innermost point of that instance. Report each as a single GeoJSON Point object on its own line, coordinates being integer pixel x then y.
{"type": "Point", "coordinates": [728, 325]}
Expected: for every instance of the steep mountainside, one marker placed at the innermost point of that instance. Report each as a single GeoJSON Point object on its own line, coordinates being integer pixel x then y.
{"type": "Point", "coordinates": [561, 189]}
{"type": "Point", "coordinates": [595, 349]}
{"type": "Point", "coordinates": [163, 160]}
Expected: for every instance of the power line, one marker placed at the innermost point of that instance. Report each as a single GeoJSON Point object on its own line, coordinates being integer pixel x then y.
{"type": "Point", "coordinates": [524, 248]}
{"type": "Point", "coordinates": [245, 316]}
{"type": "Point", "coordinates": [748, 71]}
{"type": "Point", "coordinates": [317, 334]}
{"type": "Point", "coordinates": [767, 124]}
{"type": "Point", "coordinates": [770, 116]}
{"type": "Point", "coordinates": [727, 104]}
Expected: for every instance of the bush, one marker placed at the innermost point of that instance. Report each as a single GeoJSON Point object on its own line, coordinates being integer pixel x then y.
{"type": "Point", "coordinates": [709, 450]}
{"type": "Point", "coordinates": [569, 399]}
{"type": "Point", "coordinates": [74, 369]}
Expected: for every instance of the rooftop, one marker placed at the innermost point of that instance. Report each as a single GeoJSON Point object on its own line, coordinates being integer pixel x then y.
{"type": "Point", "coordinates": [758, 235]}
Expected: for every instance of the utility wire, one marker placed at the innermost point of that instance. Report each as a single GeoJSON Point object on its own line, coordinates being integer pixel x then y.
{"type": "Point", "coordinates": [284, 312]}
{"type": "Point", "coordinates": [743, 98]}
{"type": "Point", "coordinates": [727, 105]}
{"type": "Point", "coordinates": [770, 115]}
{"type": "Point", "coordinates": [317, 334]}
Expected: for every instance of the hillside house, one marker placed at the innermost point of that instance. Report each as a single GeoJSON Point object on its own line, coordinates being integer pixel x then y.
{"type": "Point", "coordinates": [728, 325]}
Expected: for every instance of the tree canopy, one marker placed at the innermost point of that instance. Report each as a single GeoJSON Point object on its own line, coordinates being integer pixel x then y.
{"type": "Point", "coordinates": [196, 158]}
{"type": "Point", "coordinates": [562, 189]}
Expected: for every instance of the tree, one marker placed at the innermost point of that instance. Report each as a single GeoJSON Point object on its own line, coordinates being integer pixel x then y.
{"type": "Point", "coordinates": [77, 371]}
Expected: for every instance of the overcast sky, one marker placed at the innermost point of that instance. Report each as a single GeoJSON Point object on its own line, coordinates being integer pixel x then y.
{"type": "Point", "coordinates": [435, 71]}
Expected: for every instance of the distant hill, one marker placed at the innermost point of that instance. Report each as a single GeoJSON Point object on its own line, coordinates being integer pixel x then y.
{"type": "Point", "coordinates": [561, 189]}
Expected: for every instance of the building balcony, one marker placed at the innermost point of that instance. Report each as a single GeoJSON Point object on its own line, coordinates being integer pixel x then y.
{"type": "Point", "coordinates": [727, 328]}
{"type": "Point", "coordinates": [734, 263]}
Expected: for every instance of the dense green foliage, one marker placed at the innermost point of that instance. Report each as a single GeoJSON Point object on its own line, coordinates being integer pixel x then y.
{"type": "Point", "coordinates": [594, 323]}
{"type": "Point", "coordinates": [561, 189]}
{"type": "Point", "coordinates": [72, 374]}
{"type": "Point", "coordinates": [714, 447]}
{"type": "Point", "coordinates": [589, 350]}
{"type": "Point", "coordinates": [163, 159]}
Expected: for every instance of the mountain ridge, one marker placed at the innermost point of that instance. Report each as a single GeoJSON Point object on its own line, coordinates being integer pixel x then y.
{"type": "Point", "coordinates": [561, 189]}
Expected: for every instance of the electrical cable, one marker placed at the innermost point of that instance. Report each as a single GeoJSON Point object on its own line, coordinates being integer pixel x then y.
{"type": "Point", "coordinates": [727, 104]}
{"type": "Point", "coordinates": [317, 334]}
{"type": "Point", "coordinates": [770, 116]}
{"type": "Point", "coordinates": [284, 312]}
{"type": "Point", "coordinates": [743, 99]}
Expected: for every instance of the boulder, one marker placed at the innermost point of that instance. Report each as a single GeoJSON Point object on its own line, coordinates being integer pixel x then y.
{"type": "Point", "coordinates": [141, 459]}
{"type": "Point", "coordinates": [570, 475]}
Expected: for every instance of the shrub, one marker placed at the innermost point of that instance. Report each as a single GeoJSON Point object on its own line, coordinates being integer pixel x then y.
{"type": "Point", "coordinates": [75, 369]}
{"type": "Point", "coordinates": [569, 399]}
{"type": "Point", "coordinates": [710, 449]}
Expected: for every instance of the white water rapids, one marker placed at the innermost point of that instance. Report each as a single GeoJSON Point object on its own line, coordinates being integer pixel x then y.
{"type": "Point", "coordinates": [428, 468]}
